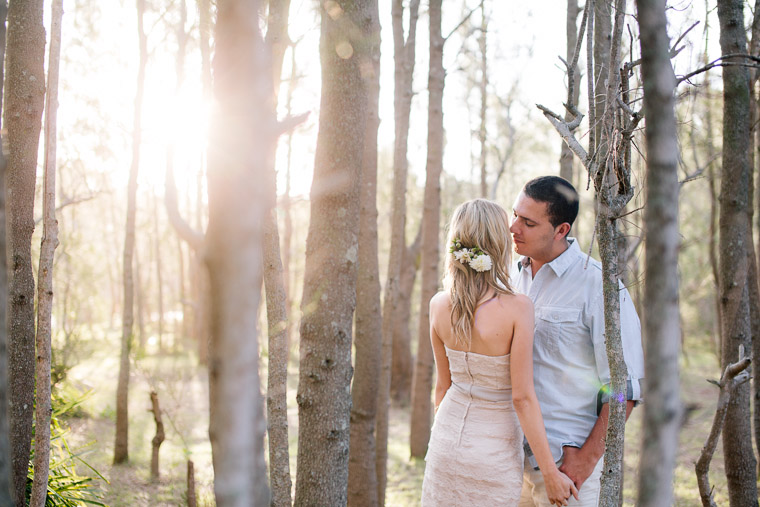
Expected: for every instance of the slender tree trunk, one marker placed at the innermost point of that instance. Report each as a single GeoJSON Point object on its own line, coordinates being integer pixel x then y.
{"type": "Point", "coordinates": [24, 97]}
{"type": "Point", "coordinates": [239, 199]}
{"type": "Point", "coordinates": [121, 446]}
{"type": "Point", "coordinates": [734, 230]}
{"type": "Point", "coordinates": [45, 271]}
{"type": "Point", "coordinates": [159, 275]}
{"type": "Point", "coordinates": [482, 132]}
{"type": "Point", "coordinates": [399, 367]}
{"type": "Point", "coordinates": [422, 382]}
{"type": "Point", "coordinates": [615, 194]}
{"type": "Point", "coordinates": [754, 277]}
{"type": "Point", "coordinates": [602, 35]}
{"type": "Point", "coordinates": [276, 294]}
{"type": "Point", "coordinates": [158, 438]}
{"type": "Point", "coordinates": [662, 410]}
{"type": "Point", "coordinates": [401, 373]}
{"type": "Point", "coordinates": [566, 158]}
{"type": "Point", "coordinates": [324, 401]}
{"type": "Point", "coordinates": [362, 472]}
{"type": "Point", "coordinates": [6, 490]}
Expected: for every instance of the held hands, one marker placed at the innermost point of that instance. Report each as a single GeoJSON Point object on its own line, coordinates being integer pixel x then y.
{"type": "Point", "coordinates": [576, 465]}
{"type": "Point", "coordinates": [559, 487]}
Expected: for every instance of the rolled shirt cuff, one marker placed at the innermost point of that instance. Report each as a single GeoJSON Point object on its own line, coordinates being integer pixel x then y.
{"type": "Point", "coordinates": [634, 390]}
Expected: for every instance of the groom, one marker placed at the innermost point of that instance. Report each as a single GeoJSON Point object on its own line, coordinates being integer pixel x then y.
{"type": "Point", "coordinates": [571, 372]}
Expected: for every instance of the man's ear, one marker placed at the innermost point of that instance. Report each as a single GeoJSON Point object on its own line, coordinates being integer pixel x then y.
{"type": "Point", "coordinates": [562, 230]}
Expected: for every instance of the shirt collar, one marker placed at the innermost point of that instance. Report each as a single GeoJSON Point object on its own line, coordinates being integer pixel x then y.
{"type": "Point", "coordinates": [563, 261]}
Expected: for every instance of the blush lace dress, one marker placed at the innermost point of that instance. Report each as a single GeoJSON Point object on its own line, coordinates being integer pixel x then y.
{"type": "Point", "coordinates": [475, 454]}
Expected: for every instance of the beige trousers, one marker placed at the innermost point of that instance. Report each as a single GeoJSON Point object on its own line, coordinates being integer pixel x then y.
{"type": "Point", "coordinates": [534, 491]}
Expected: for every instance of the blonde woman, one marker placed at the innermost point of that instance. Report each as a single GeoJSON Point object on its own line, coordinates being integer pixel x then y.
{"type": "Point", "coordinates": [482, 337]}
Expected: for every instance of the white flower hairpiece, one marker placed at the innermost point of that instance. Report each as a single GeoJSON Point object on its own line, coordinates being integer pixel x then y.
{"type": "Point", "coordinates": [476, 258]}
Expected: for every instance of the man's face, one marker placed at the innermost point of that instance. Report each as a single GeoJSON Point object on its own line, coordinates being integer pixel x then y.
{"type": "Point", "coordinates": [532, 232]}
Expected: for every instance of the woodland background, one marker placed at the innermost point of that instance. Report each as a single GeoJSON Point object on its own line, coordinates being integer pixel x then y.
{"type": "Point", "coordinates": [189, 121]}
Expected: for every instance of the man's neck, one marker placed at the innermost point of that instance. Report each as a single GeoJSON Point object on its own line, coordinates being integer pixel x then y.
{"type": "Point", "coordinates": [536, 264]}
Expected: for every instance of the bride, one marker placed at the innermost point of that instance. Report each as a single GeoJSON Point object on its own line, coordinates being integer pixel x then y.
{"type": "Point", "coordinates": [482, 337]}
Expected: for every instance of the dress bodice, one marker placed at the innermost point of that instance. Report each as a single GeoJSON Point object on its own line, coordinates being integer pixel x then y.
{"type": "Point", "coordinates": [479, 370]}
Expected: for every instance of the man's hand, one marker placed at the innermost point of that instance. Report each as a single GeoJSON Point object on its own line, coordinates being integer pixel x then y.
{"type": "Point", "coordinates": [577, 465]}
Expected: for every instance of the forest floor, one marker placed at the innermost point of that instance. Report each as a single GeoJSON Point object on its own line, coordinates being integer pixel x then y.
{"type": "Point", "coordinates": [183, 395]}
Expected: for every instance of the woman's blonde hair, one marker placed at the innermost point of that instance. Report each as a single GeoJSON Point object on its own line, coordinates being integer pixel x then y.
{"type": "Point", "coordinates": [483, 224]}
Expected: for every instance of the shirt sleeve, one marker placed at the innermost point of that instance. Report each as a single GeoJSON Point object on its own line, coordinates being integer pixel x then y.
{"type": "Point", "coordinates": [633, 354]}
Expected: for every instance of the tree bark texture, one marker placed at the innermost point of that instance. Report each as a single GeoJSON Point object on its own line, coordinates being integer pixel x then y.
{"type": "Point", "coordinates": [277, 376]}
{"type": "Point", "coordinates": [662, 330]}
{"type": "Point", "coordinates": [732, 377]}
{"type": "Point", "coordinates": [45, 271]}
{"type": "Point", "coordinates": [566, 158]}
{"type": "Point", "coordinates": [365, 392]}
{"type": "Point", "coordinates": [734, 235]}
{"type": "Point", "coordinates": [602, 35]}
{"type": "Point", "coordinates": [399, 364]}
{"type": "Point", "coordinates": [329, 294]}
{"type": "Point", "coordinates": [276, 293]}
{"type": "Point", "coordinates": [422, 381]}
{"type": "Point", "coordinates": [121, 446]}
{"type": "Point", "coordinates": [396, 353]}
{"type": "Point", "coordinates": [24, 97]}
{"type": "Point", "coordinates": [754, 200]}
{"type": "Point", "coordinates": [610, 181]}
{"type": "Point", "coordinates": [6, 491]}
{"type": "Point", "coordinates": [239, 199]}
{"type": "Point", "coordinates": [158, 438]}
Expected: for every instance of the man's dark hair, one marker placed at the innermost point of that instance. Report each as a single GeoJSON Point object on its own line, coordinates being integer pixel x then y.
{"type": "Point", "coordinates": [559, 195]}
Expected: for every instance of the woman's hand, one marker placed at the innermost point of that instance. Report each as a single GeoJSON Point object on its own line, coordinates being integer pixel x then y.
{"type": "Point", "coordinates": [559, 487]}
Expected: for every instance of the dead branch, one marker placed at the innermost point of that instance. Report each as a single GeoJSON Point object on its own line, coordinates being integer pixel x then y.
{"type": "Point", "coordinates": [289, 123]}
{"type": "Point", "coordinates": [720, 62]}
{"type": "Point", "coordinates": [464, 20]}
{"type": "Point", "coordinates": [564, 131]}
{"type": "Point", "coordinates": [674, 50]}
{"type": "Point", "coordinates": [159, 437]}
{"type": "Point", "coordinates": [734, 375]}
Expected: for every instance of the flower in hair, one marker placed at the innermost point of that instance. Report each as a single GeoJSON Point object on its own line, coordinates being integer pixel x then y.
{"type": "Point", "coordinates": [476, 258]}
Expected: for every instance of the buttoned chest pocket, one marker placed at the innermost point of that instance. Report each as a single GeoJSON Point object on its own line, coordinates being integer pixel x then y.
{"type": "Point", "coordinates": [556, 329]}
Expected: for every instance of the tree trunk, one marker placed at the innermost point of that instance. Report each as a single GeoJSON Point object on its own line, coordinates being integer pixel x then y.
{"type": "Point", "coordinates": [325, 371]}
{"type": "Point", "coordinates": [734, 230]}
{"type": "Point", "coordinates": [400, 366]}
{"type": "Point", "coordinates": [276, 294]}
{"type": "Point", "coordinates": [158, 438]}
{"type": "Point", "coordinates": [191, 500]}
{"type": "Point", "coordinates": [396, 354]}
{"type": "Point", "coordinates": [422, 382]}
{"type": "Point", "coordinates": [483, 84]}
{"type": "Point", "coordinates": [365, 392]}
{"type": "Point", "coordinates": [45, 271]}
{"type": "Point", "coordinates": [753, 276]}
{"type": "Point", "coordinates": [662, 330]}
{"type": "Point", "coordinates": [6, 490]}
{"type": "Point", "coordinates": [159, 276]}
{"type": "Point", "coordinates": [566, 155]}
{"type": "Point", "coordinates": [602, 35]}
{"type": "Point", "coordinates": [239, 199]}
{"type": "Point", "coordinates": [24, 97]}
{"type": "Point", "coordinates": [401, 372]}
{"type": "Point", "coordinates": [615, 194]}
{"type": "Point", "coordinates": [121, 446]}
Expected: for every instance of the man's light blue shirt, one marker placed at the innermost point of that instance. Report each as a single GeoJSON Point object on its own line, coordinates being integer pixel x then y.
{"type": "Point", "coordinates": [570, 365]}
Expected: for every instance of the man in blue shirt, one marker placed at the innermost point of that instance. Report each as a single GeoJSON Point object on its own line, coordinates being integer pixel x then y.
{"type": "Point", "coordinates": [571, 372]}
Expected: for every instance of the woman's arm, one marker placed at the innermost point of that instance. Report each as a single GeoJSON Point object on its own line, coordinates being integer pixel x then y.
{"type": "Point", "coordinates": [558, 486]}
{"type": "Point", "coordinates": [443, 375]}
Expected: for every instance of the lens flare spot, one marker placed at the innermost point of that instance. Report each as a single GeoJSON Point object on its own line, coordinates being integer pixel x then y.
{"type": "Point", "coordinates": [334, 10]}
{"type": "Point", "coordinates": [344, 49]}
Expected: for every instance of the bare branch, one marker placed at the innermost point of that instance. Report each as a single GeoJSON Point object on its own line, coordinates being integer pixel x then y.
{"type": "Point", "coordinates": [564, 131]}
{"type": "Point", "coordinates": [733, 376]}
{"type": "Point", "coordinates": [464, 20]}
